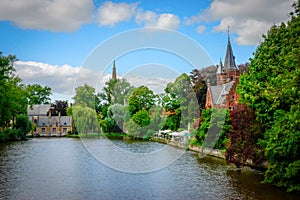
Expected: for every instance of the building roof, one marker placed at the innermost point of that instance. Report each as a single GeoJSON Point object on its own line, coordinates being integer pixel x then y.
{"type": "Point", "coordinates": [40, 110]}
{"type": "Point", "coordinates": [219, 92]}
{"type": "Point", "coordinates": [64, 121]}
{"type": "Point", "coordinates": [229, 63]}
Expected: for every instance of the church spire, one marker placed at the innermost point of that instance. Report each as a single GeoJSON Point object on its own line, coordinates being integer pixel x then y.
{"type": "Point", "coordinates": [229, 63]}
{"type": "Point", "coordinates": [114, 73]}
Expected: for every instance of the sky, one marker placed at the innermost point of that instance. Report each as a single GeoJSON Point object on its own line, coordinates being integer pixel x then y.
{"type": "Point", "coordinates": [63, 44]}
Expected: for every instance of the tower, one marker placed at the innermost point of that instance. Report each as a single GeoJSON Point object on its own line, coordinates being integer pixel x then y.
{"type": "Point", "coordinates": [228, 72]}
{"type": "Point", "coordinates": [114, 73]}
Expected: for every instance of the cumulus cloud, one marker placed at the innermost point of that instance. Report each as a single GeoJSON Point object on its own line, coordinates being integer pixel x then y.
{"type": "Point", "coordinates": [61, 79]}
{"type": "Point", "coordinates": [56, 15]}
{"type": "Point", "coordinates": [152, 19]}
{"type": "Point", "coordinates": [64, 79]}
{"type": "Point", "coordinates": [249, 19]}
{"type": "Point", "coordinates": [110, 14]}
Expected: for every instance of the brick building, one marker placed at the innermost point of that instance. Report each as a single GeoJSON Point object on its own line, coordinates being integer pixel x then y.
{"type": "Point", "coordinates": [223, 95]}
{"type": "Point", "coordinates": [47, 125]}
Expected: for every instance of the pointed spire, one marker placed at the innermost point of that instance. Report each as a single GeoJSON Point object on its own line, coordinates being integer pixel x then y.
{"type": "Point", "coordinates": [114, 73]}
{"type": "Point", "coordinates": [229, 63]}
{"type": "Point", "coordinates": [220, 68]}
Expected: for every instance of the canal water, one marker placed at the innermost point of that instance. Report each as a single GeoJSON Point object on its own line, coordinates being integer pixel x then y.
{"type": "Point", "coordinates": [66, 168]}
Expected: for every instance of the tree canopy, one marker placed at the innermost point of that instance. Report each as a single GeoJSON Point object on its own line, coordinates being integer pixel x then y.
{"type": "Point", "coordinates": [38, 94]}
{"type": "Point", "coordinates": [272, 90]}
{"type": "Point", "coordinates": [12, 92]}
{"type": "Point", "coordinates": [85, 96]}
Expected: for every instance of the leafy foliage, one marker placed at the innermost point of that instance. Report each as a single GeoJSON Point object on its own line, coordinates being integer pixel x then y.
{"type": "Point", "coordinates": [37, 94]}
{"type": "Point", "coordinates": [199, 87]}
{"type": "Point", "coordinates": [180, 103]}
{"type": "Point", "coordinates": [59, 107]}
{"type": "Point", "coordinates": [12, 92]}
{"type": "Point", "coordinates": [141, 118]}
{"type": "Point", "coordinates": [215, 126]}
{"type": "Point", "coordinates": [244, 138]}
{"type": "Point", "coordinates": [272, 90]}
{"type": "Point", "coordinates": [85, 119]}
{"type": "Point", "coordinates": [142, 98]}
{"type": "Point", "coordinates": [283, 149]}
{"type": "Point", "coordinates": [23, 125]}
{"type": "Point", "coordinates": [85, 96]}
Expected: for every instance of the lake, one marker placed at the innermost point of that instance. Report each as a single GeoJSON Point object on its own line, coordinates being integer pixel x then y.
{"type": "Point", "coordinates": [67, 168]}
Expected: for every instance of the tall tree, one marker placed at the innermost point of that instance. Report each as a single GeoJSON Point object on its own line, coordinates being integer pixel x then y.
{"type": "Point", "coordinates": [199, 87]}
{"type": "Point", "coordinates": [85, 96]}
{"type": "Point", "coordinates": [85, 119]}
{"type": "Point", "coordinates": [272, 90]}
{"type": "Point", "coordinates": [12, 93]}
{"type": "Point", "coordinates": [38, 94]}
{"type": "Point", "coordinates": [142, 98]}
{"type": "Point", "coordinates": [179, 101]}
{"type": "Point", "coordinates": [244, 138]}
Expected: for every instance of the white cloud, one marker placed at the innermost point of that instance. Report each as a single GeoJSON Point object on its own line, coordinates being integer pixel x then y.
{"type": "Point", "coordinates": [152, 19]}
{"type": "Point", "coordinates": [61, 79]}
{"type": "Point", "coordinates": [64, 79]}
{"type": "Point", "coordinates": [249, 19]}
{"type": "Point", "coordinates": [110, 14]}
{"type": "Point", "coordinates": [56, 15]}
{"type": "Point", "coordinates": [201, 29]}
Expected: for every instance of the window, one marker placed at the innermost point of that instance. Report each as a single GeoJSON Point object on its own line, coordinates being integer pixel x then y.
{"type": "Point", "coordinates": [54, 130]}
{"type": "Point", "coordinates": [64, 130]}
{"type": "Point", "coordinates": [43, 130]}
{"type": "Point", "coordinates": [65, 123]}
{"type": "Point", "coordinates": [35, 121]}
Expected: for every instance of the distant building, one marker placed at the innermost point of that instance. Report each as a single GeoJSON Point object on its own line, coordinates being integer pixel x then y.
{"type": "Point", "coordinates": [223, 95]}
{"type": "Point", "coordinates": [47, 125]}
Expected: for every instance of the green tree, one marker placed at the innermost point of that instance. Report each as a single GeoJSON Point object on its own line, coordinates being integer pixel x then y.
{"type": "Point", "coordinates": [215, 126]}
{"type": "Point", "coordinates": [117, 115]}
{"type": "Point", "coordinates": [12, 93]}
{"type": "Point", "coordinates": [85, 96]}
{"type": "Point", "coordinates": [272, 90]}
{"type": "Point", "coordinates": [199, 87]}
{"type": "Point", "coordinates": [180, 103]}
{"type": "Point", "coordinates": [141, 118]}
{"type": "Point", "coordinates": [142, 98]}
{"type": "Point", "coordinates": [116, 91]}
{"type": "Point", "coordinates": [283, 149]}
{"type": "Point", "coordinates": [38, 94]}
{"type": "Point", "coordinates": [23, 125]}
{"type": "Point", "coordinates": [85, 119]}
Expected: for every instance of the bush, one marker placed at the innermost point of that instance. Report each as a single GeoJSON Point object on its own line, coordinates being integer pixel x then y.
{"type": "Point", "coordinates": [9, 135]}
{"type": "Point", "coordinates": [23, 125]}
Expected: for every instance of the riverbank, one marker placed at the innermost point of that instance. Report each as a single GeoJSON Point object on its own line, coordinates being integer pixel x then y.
{"type": "Point", "coordinates": [202, 152]}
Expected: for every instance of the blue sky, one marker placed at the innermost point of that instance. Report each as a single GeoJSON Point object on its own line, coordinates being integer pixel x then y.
{"type": "Point", "coordinates": [52, 39]}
